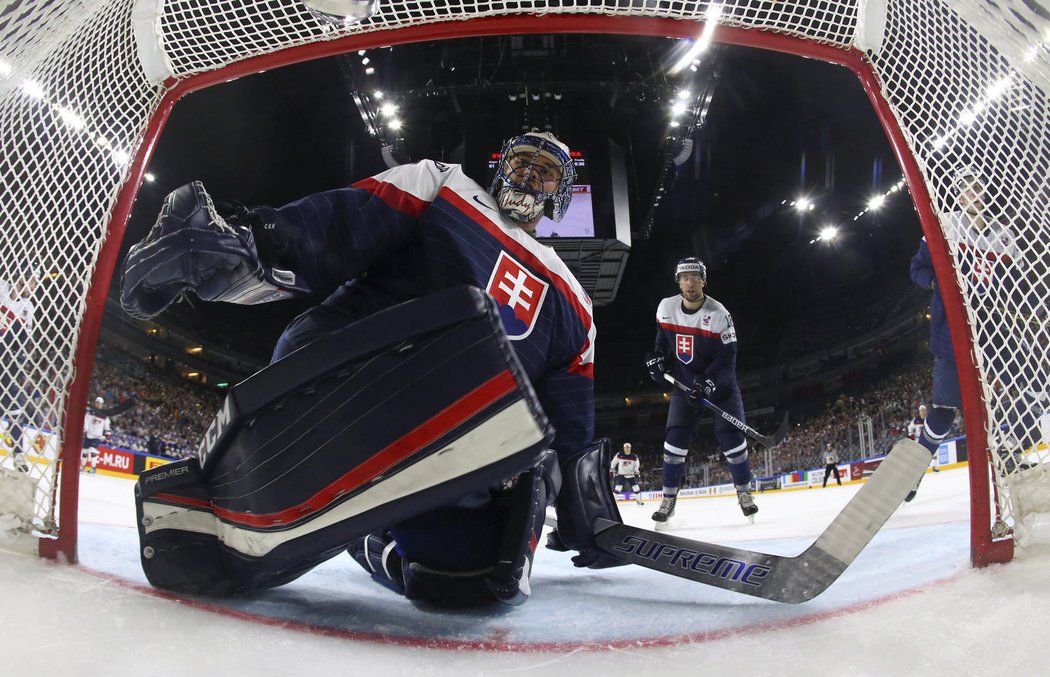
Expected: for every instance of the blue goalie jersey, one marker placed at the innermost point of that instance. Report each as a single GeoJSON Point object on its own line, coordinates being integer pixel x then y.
{"type": "Point", "coordinates": [419, 228]}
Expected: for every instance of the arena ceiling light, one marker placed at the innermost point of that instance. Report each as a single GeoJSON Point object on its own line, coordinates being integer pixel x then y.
{"type": "Point", "coordinates": [803, 204]}
{"type": "Point", "coordinates": [33, 89]}
{"type": "Point", "coordinates": [711, 17]}
{"type": "Point", "coordinates": [827, 234]}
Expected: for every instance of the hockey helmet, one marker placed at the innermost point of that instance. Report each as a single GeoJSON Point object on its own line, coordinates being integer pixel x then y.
{"type": "Point", "coordinates": [966, 177]}
{"type": "Point", "coordinates": [690, 264]}
{"type": "Point", "coordinates": [99, 401]}
{"type": "Point", "coordinates": [525, 186]}
{"type": "Point", "coordinates": [626, 447]}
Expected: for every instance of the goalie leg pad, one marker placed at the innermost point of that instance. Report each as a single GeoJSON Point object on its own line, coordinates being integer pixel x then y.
{"type": "Point", "coordinates": [178, 531]}
{"type": "Point", "coordinates": [501, 564]}
{"type": "Point", "coordinates": [460, 555]}
{"type": "Point", "coordinates": [404, 411]}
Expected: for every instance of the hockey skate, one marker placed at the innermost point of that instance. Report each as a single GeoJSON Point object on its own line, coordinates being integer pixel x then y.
{"type": "Point", "coordinates": [747, 503]}
{"type": "Point", "coordinates": [911, 494]}
{"type": "Point", "coordinates": [20, 463]}
{"type": "Point", "coordinates": [666, 509]}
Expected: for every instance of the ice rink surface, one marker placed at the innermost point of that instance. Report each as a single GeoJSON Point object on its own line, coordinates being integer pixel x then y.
{"type": "Point", "coordinates": [909, 605]}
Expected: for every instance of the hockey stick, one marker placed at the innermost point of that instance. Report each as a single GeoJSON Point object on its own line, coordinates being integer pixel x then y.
{"type": "Point", "coordinates": [768, 441]}
{"type": "Point", "coordinates": [775, 577]}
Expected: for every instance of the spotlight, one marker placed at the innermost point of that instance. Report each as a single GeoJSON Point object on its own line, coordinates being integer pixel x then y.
{"type": "Point", "coordinates": [828, 233]}
{"type": "Point", "coordinates": [803, 204]}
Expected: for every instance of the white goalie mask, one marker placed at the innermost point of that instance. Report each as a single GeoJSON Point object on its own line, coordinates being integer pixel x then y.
{"type": "Point", "coordinates": [534, 178]}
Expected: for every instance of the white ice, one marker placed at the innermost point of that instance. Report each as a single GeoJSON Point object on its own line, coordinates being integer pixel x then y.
{"type": "Point", "coordinates": [909, 605]}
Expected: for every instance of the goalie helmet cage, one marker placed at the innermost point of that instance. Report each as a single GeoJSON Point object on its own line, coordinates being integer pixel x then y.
{"type": "Point", "coordinates": [85, 90]}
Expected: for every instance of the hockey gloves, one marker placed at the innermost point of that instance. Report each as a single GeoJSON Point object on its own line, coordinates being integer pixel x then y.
{"type": "Point", "coordinates": [585, 496]}
{"type": "Point", "coordinates": [192, 248]}
{"type": "Point", "coordinates": [702, 388]}
{"type": "Point", "coordinates": [656, 364]}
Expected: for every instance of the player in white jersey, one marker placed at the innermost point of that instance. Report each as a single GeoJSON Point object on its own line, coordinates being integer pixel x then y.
{"type": "Point", "coordinates": [96, 431]}
{"type": "Point", "coordinates": [626, 467]}
{"type": "Point", "coordinates": [986, 254]}
{"type": "Point", "coordinates": [915, 427]}
{"type": "Point", "coordinates": [696, 343]}
{"type": "Point", "coordinates": [16, 327]}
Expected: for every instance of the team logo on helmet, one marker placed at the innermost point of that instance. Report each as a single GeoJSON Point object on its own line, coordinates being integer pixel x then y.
{"type": "Point", "coordinates": [520, 295]}
{"type": "Point", "coordinates": [683, 344]}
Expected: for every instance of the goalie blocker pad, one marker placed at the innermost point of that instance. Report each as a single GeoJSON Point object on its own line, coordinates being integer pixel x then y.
{"type": "Point", "coordinates": [585, 497]}
{"type": "Point", "coordinates": [403, 411]}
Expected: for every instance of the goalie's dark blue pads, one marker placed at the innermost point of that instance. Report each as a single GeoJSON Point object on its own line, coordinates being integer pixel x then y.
{"type": "Point", "coordinates": [192, 248]}
{"type": "Point", "coordinates": [476, 551]}
{"type": "Point", "coordinates": [407, 410]}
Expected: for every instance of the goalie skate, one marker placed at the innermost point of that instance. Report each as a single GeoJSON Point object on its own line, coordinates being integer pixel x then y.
{"type": "Point", "coordinates": [666, 509]}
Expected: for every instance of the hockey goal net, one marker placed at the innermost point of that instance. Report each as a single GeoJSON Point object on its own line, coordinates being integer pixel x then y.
{"type": "Point", "coordinates": [85, 89]}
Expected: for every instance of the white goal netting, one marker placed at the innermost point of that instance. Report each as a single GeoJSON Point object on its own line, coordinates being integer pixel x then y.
{"type": "Point", "coordinates": [959, 83]}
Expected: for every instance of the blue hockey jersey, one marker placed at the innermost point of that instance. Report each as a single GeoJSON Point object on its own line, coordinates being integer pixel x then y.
{"type": "Point", "coordinates": [700, 344]}
{"type": "Point", "coordinates": [418, 228]}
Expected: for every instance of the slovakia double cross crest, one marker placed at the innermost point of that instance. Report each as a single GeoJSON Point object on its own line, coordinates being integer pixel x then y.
{"type": "Point", "coordinates": [519, 294]}
{"type": "Point", "coordinates": [684, 347]}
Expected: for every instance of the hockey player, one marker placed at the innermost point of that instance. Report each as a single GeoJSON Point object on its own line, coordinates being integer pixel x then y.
{"type": "Point", "coordinates": [831, 465]}
{"type": "Point", "coordinates": [696, 343]}
{"type": "Point", "coordinates": [625, 468]}
{"type": "Point", "coordinates": [915, 427]}
{"type": "Point", "coordinates": [380, 250]}
{"type": "Point", "coordinates": [986, 249]}
{"type": "Point", "coordinates": [96, 431]}
{"type": "Point", "coordinates": [16, 326]}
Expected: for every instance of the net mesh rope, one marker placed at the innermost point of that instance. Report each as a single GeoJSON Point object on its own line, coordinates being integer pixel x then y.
{"type": "Point", "coordinates": [80, 81]}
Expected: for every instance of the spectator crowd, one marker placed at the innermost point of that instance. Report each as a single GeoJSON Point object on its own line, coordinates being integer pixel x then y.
{"type": "Point", "coordinates": [171, 414]}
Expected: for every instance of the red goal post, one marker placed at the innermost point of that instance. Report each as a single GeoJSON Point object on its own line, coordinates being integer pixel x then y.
{"type": "Point", "coordinates": [85, 90]}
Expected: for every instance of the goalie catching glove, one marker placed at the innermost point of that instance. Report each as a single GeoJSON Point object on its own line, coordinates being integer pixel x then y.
{"type": "Point", "coordinates": [193, 248]}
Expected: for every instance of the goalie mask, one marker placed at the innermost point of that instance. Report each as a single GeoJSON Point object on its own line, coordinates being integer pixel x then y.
{"type": "Point", "coordinates": [534, 178]}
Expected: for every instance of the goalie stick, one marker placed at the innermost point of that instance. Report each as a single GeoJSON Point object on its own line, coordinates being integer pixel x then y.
{"type": "Point", "coordinates": [768, 441]}
{"type": "Point", "coordinates": [775, 577]}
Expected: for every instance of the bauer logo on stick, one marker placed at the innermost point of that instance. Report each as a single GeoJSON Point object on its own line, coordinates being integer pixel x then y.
{"type": "Point", "coordinates": [519, 294]}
